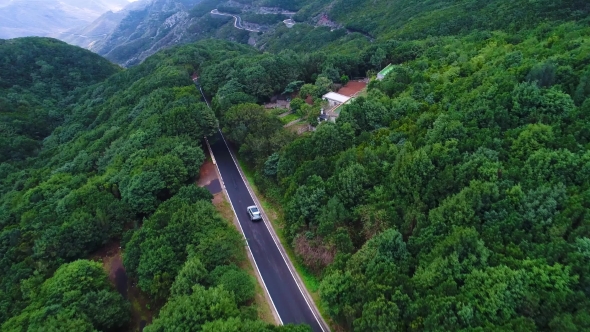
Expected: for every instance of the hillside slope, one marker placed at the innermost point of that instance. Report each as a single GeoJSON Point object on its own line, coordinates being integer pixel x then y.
{"type": "Point", "coordinates": [38, 74]}
{"type": "Point", "coordinates": [410, 19]}
{"type": "Point", "coordinates": [321, 24]}
{"type": "Point", "coordinates": [119, 167]}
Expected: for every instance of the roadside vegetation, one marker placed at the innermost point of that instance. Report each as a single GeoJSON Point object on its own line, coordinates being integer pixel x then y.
{"type": "Point", "coordinates": [276, 217]}
{"type": "Point", "coordinates": [289, 118]}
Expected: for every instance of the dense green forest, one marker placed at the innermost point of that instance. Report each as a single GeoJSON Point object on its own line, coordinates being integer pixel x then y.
{"type": "Point", "coordinates": [411, 19]}
{"type": "Point", "coordinates": [37, 76]}
{"type": "Point", "coordinates": [452, 196]}
{"type": "Point", "coordinates": [119, 165]}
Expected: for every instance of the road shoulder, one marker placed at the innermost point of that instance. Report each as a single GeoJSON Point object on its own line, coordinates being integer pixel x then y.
{"type": "Point", "coordinates": [301, 285]}
{"type": "Point", "coordinates": [266, 312]}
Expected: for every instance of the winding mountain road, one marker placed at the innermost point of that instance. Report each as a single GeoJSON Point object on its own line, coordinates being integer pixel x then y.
{"type": "Point", "coordinates": [237, 22]}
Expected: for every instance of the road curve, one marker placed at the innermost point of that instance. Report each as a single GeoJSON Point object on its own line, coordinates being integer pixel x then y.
{"type": "Point", "coordinates": [237, 20]}
{"type": "Point", "coordinates": [285, 294]}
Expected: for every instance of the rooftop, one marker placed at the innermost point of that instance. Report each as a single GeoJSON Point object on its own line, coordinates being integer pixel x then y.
{"type": "Point", "coordinates": [289, 23]}
{"type": "Point", "coordinates": [336, 97]}
{"type": "Point", "coordinates": [386, 70]}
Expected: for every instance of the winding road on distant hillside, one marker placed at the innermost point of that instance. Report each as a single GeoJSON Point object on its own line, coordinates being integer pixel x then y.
{"type": "Point", "coordinates": [237, 22]}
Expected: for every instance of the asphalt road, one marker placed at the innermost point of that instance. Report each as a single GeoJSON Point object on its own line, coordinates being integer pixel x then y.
{"type": "Point", "coordinates": [237, 22]}
{"type": "Point", "coordinates": [286, 296]}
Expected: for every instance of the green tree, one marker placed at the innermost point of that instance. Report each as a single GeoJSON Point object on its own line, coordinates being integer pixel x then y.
{"type": "Point", "coordinates": [293, 86]}
{"type": "Point", "coordinates": [171, 171]}
{"type": "Point", "coordinates": [323, 85]}
{"type": "Point", "coordinates": [344, 79]}
{"type": "Point", "coordinates": [192, 273]}
{"type": "Point", "coordinates": [78, 295]}
{"type": "Point", "coordinates": [377, 58]}
{"type": "Point", "coordinates": [379, 315]}
{"type": "Point", "coordinates": [141, 191]}
{"type": "Point", "coordinates": [349, 184]}
{"type": "Point", "coordinates": [296, 104]}
{"type": "Point", "coordinates": [309, 90]}
{"type": "Point", "coordinates": [236, 281]}
{"type": "Point", "coordinates": [221, 246]}
{"type": "Point", "coordinates": [305, 204]}
{"type": "Point", "coordinates": [191, 312]}
{"type": "Point", "coordinates": [177, 230]}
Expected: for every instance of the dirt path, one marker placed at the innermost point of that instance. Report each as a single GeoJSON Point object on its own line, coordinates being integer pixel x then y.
{"type": "Point", "coordinates": [112, 261]}
{"type": "Point", "coordinates": [117, 274]}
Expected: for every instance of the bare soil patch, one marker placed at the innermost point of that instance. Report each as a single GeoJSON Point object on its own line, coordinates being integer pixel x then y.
{"type": "Point", "coordinates": [207, 174]}
{"type": "Point", "coordinates": [208, 178]}
{"type": "Point", "coordinates": [299, 128]}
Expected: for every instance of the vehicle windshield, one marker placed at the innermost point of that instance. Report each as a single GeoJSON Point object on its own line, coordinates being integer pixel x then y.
{"type": "Point", "coordinates": [254, 210]}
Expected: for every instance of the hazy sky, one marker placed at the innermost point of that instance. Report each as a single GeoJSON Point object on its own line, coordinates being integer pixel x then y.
{"type": "Point", "coordinates": [20, 18]}
{"type": "Point", "coordinates": [6, 2]}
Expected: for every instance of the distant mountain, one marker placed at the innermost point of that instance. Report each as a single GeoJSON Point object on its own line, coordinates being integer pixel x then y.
{"type": "Point", "coordinates": [88, 35]}
{"type": "Point", "coordinates": [145, 27]}
{"type": "Point", "coordinates": [20, 18]}
{"type": "Point", "coordinates": [101, 27]}
{"type": "Point", "coordinates": [143, 30]}
{"type": "Point", "coordinates": [153, 25]}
